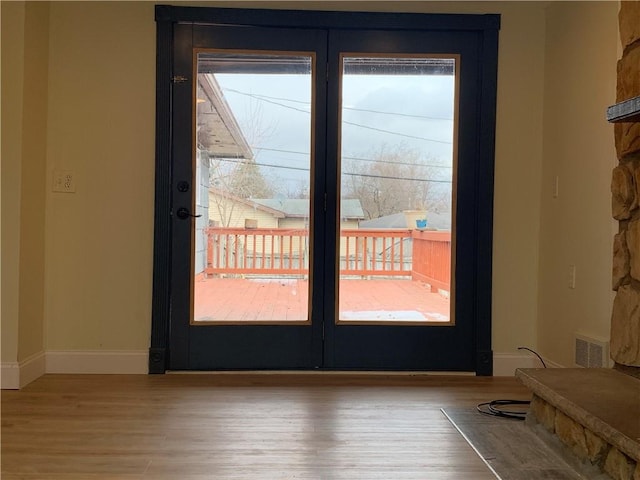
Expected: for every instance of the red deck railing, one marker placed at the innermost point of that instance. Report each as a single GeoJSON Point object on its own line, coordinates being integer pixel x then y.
{"type": "Point", "coordinates": [432, 258]}
{"type": "Point", "coordinates": [421, 255]}
{"type": "Point", "coordinates": [375, 252]}
{"type": "Point", "coordinates": [259, 250]}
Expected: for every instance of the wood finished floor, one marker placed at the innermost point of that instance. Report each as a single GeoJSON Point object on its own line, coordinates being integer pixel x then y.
{"type": "Point", "coordinates": [243, 426]}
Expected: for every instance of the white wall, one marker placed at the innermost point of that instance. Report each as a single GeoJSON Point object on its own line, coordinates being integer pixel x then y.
{"type": "Point", "coordinates": [576, 227]}
{"type": "Point", "coordinates": [101, 127]}
{"type": "Point", "coordinates": [12, 88]}
{"type": "Point", "coordinates": [25, 37]}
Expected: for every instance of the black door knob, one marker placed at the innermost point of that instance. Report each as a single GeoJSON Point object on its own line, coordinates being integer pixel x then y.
{"type": "Point", "coordinates": [184, 213]}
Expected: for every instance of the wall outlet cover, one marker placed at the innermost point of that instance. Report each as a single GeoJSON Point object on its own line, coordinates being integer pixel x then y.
{"type": "Point", "coordinates": [64, 181]}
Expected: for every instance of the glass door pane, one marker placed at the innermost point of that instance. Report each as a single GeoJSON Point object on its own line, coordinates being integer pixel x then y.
{"type": "Point", "coordinates": [397, 167]}
{"type": "Point", "coordinates": [252, 168]}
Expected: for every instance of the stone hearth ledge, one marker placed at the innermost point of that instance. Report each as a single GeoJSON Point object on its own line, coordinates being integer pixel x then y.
{"type": "Point", "coordinates": [603, 400]}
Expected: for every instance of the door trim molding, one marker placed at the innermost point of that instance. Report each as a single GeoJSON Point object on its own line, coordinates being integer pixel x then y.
{"type": "Point", "coordinates": [484, 192]}
{"type": "Point", "coordinates": [328, 19]}
{"type": "Point", "coordinates": [160, 310]}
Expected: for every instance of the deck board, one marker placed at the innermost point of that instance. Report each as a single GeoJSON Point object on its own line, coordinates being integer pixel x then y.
{"type": "Point", "coordinates": [246, 299]}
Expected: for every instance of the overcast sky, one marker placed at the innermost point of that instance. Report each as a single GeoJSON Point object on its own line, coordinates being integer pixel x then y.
{"type": "Point", "coordinates": [411, 110]}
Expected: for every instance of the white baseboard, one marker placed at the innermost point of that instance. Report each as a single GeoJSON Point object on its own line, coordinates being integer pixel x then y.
{"type": "Point", "coordinates": [16, 375]}
{"type": "Point", "coordinates": [98, 361]}
{"type": "Point", "coordinates": [10, 376]}
{"type": "Point", "coordinates": [505, 364]}
{"type": "Point", "coordinates": [552, 364]}
{"type": "Point", "coordinates": [32, 368]}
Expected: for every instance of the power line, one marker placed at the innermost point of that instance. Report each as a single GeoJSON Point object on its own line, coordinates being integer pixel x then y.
{"type": "Point", "coordinates": [398, 114]}
{"type": "Point", "coordinates": [342, 173]}
{"type": "Point", "coordinates": [263, 164]}
{"type": "Point", "coordinates": [396, 133]}
{"type": "Point", "coordinates": [396, 178]}
{"type": "Point", "coordinates": [352, 158]}
{"type": "Point", "coordinates": [263, 99]}
{"type": "Point", "coordinates": [395, 163]}
{"type": "Point", "coordinates": [257, 97]}
{"type": "Point", "coordinates": [302, 102]}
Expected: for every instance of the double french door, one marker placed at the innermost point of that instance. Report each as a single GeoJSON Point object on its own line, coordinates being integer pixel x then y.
{"type": "Point", "coordinates": [323, 192]}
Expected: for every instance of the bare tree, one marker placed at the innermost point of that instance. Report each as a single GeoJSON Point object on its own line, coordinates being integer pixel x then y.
{"type": "Point", "coordinates": [299, 190]}
{"type": "Point", "coordinates": [399, 179]}
{"type": "Point", "coordinates": [246, 181]}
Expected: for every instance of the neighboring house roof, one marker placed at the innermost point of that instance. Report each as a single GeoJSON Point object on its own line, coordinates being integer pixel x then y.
{"type": "Point", "coordinates": [299, 207]}
{"type": "Point", "coordinates": [246, 201]}
{"type": "Point", "coordinates": [439, 221]}
{"type": "Point", "coordinates": [291, 207]}
{"type": "Point", "coordinates": [396, 220]}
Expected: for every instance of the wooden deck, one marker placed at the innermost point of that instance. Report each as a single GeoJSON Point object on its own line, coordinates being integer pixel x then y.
{"type": "Point", "coordinates": [243, 299]}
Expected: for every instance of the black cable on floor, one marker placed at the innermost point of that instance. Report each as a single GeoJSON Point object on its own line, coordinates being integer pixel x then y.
{"type": "Point", "coordinates": [499, 408]}
{"type": "Point", "coordinates": [495, 408]}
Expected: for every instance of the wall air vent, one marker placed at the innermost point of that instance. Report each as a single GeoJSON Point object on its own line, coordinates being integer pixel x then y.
{"type": "Point", "coordinates": [591, 352]}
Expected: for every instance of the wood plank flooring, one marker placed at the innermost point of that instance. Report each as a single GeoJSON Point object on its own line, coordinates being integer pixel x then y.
{"type": "Point", "coordinates": [243, 426]}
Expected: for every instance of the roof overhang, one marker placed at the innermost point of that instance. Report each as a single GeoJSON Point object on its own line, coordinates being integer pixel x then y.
{"type": "Point", "coordinates": [218, 130]}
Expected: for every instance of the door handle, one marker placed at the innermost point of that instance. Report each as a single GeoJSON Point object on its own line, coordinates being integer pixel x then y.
{"type": "Point", "coordinates": [184, 213]}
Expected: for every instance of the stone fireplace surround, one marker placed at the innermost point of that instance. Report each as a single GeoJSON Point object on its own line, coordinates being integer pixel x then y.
{"type": "Point", "coordinates": [595, 413]}
{"type": "Point", "coordinates": [625, 189]}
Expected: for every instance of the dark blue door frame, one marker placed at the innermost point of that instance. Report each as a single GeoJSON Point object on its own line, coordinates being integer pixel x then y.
{"type": "Point", "coordinates": [174, 40]}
